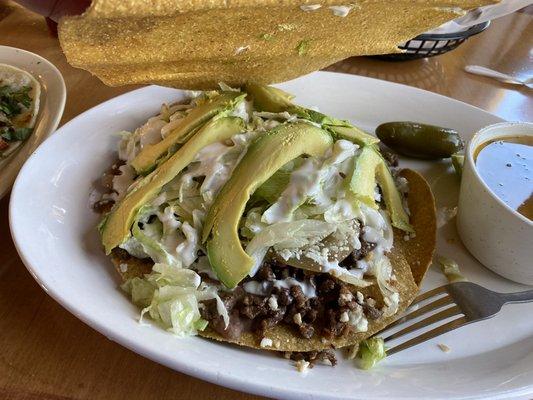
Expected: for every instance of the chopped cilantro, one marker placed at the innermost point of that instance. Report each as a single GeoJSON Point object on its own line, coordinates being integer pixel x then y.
{"type": "Point", "coordinates": [12, 102]}
{"type": "Point", "coordinates": [12, 134]}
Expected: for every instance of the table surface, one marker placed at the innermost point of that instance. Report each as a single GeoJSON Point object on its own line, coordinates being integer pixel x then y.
{"type": "Point", "coordinates": [49, 354]}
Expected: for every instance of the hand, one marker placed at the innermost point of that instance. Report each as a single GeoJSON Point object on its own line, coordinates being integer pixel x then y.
{"type": "Point", "coordinates": [55, 9]}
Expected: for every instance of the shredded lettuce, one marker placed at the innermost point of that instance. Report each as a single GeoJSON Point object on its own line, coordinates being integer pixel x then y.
{"type": "Point", "coordinates": [315, 184]}
{"type": "Point", "coordinates": [301, 212]}
{"type": "Point", "coordinates": [152, 245]}
{"type": "Point", "coordinates": [286, 235]}
{"type": "Point", "coordinates": [273, 187]}
{"type": "Point", "coordinates": [174, 237]}
{"type": "Point", "coordinates": [371, 351]}
{"type": "Point", "coordinates": [252, 223]}
{"type": "Point", "coordinates": [301, 183]}
{"type": "Point", "coordinates": [171, 296]}
{"type": "Point", "coordinates": [450, 268]}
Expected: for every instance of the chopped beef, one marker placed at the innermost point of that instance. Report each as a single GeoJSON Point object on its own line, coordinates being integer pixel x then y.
{"type": "Point", "coordinates": [265, 273]}
{"type": "Point", "coordinates": [107, 176]}
{"type": "Point", "coordinates": [306, 330]}
{"type": "Point", "coordinates": [371, 312]}
{"type": "Point", "coordinates": [284, 298]}
{"type": "Point", "coordinates": [236, 326]}
{"type": "Point", "coordinates": [272, 320]}
{"type": "Point", "coordinates": [299, 298]}
{"type": "Point", "coordinates": [390, 156]}
{"type": "Point", "coordinates": [253, 306]}
{"type": "Point", "coordinates": [313, 357]}
{"type": "Point", "coordinates": [358, 254]}
{"type": "Point", "coordinates": [366, 248]}
{"type": "Point", "coordinates": [327, 314]}
{"type": "Point", "coordinates": [103, 206]}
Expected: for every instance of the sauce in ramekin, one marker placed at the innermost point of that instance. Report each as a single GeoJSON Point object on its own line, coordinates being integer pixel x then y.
{"type": "Point", "coordinates": [506, 166]}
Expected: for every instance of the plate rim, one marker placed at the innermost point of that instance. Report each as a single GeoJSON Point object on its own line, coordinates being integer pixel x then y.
{"type": "Point", "coordinates": [227, 380]}
{"type": "Point", "coordinates": [57, 114]}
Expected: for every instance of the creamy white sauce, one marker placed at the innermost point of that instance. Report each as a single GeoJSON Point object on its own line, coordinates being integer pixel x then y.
{"type": "Point", "coordinates": [243, 110]}
{"type": "Point", "coordinates": [168, 219]}
{"type": "Point", "coordinates": [311, 182]}
{"type": "Point", "coordinates": [357, 319]}
{"type": "Point", "coordinates": [263, 288]}
{"type": "Point", "coordinates": [170, 126]}
{"type": "Point", "coordinates": [123, 181]}
{"type": "Point", "coordinates": [188, 249]}
{"type": "Point", "coordinates": [150, 132]}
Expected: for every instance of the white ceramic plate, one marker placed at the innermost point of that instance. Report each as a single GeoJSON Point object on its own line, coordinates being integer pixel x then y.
{"type": "Point", "coordinates": [53, 96]}
{"type": "Point", "coordinates": [56, 238]}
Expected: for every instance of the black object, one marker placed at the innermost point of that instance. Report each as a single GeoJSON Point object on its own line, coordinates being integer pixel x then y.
{"type": "Point", "coordinates": [430, 45]}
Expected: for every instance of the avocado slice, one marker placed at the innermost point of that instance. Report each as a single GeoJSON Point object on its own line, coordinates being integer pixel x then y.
{"type": "Point", "coordinates": [264, 157]}
{"type": "Point", "coordinates": [271, 99]}
{"type": "Point", "coordinates": [150, 155]}
{"type": "Point", "coordinates": [362, 181]}
{"type": "Point", "coordinates": [353, 134]}
{"type": "Point", "coordinates": [393, 200]}
{"type": "Point", "coordinates": [368, 168]}
{"type": "Point", "coordinates": [274, 186]}
{"type": "Point", "coordinates": [116, 228]}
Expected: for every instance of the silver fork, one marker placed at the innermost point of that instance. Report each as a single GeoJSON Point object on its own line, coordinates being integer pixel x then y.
{"type": "Point", "coordinates": [468, 301]}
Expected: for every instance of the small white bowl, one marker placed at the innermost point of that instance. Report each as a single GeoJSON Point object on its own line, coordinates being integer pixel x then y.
{"type": "Point", "coordinates": [496, 234]}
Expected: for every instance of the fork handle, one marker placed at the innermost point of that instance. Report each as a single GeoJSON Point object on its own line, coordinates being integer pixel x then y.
{"type": "Point", "coordinates": [518, 297]}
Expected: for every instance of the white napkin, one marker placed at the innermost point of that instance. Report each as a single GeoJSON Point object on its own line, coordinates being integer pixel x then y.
{"type": "Point", "coordinates": [482, 14]}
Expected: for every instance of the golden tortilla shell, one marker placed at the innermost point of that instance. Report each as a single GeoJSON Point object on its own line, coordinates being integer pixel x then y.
{"type": "Point", "coordinates": [410, 260]}
{"type": "Point", "coordinates": [196, 44]}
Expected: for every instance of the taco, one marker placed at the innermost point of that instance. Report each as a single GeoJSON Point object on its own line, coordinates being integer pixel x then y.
{"type": "Point", "coordinates": [245, 218]}
{"type": "Point", "coordinates": [19, 105]}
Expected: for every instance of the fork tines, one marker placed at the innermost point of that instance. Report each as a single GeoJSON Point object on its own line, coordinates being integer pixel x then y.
{"type": "Point", "coordinates": [440, 302]}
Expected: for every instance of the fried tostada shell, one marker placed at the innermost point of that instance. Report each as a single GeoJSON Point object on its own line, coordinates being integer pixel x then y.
{"type": "Point", "coordinates": [410, 260]}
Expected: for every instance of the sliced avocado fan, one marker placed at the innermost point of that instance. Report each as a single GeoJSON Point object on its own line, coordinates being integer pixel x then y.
{"type": "Point", "coordinates": [271, 99]}
{"type": "Point", "coordinates": [368, 168]}
{"type": "Point", "coordinates": [264, 157]}
{"type": "Point", "coordinates": [353, 134]}
{"type": "Point", "coordinates": [362, 181]}
{"type": "Point", "coordinates": [116, 228]}
{"type": "Point", "coordinates": [393, 200]}
{"type": "Point", "coordinates": [153, 154]}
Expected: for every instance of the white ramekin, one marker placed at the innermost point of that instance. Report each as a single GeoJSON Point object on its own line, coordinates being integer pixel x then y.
{"type": "Point", "coordinates": [498, 236]}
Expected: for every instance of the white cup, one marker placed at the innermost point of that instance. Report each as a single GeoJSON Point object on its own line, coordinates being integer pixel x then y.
{"type": "Point", "coordinates": [497, 235]}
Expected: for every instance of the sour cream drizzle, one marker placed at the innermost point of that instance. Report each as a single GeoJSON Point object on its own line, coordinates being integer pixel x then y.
{"type": "Point", "coordinates": [263, 288]}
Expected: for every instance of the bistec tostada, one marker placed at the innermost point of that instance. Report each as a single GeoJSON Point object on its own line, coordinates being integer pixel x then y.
{"type": "Point", "coordinates": [243, 217]}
